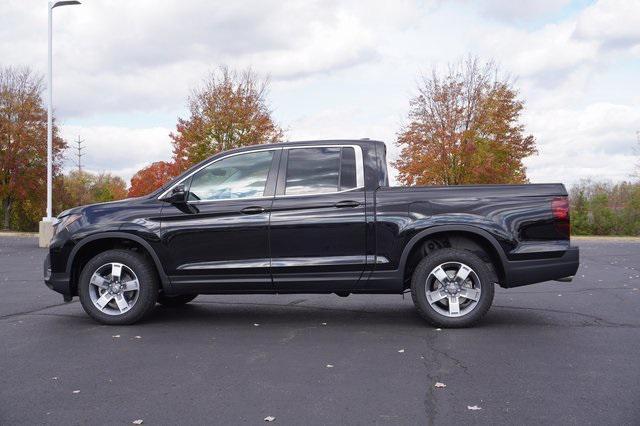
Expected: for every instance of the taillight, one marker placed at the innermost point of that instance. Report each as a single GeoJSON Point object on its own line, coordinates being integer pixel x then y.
{"type": "Point", "coordinates": [560, 210]}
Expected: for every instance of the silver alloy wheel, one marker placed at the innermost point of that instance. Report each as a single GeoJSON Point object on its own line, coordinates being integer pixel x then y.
{"type": "Point", "coordinates": [114, 288]}
{"type": "Point", "coordinates": [453, 289]}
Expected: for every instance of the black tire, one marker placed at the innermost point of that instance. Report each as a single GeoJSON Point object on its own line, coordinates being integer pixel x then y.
{"type": "Point", "coordinates": [439, 257]}
{"type": "Point", "coordinates": [147, 293]}
{"type": "Point", "coordinates": [177, 300]}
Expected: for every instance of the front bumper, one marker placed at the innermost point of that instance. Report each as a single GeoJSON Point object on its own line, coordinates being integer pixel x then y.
{"type": "Point", "coordinates": [524, 272]}
{"type": "Point", "coordinates": [58, 282]}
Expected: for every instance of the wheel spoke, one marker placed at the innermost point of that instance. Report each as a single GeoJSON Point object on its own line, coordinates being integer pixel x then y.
{"type": "Point", "coordinates": [440, 274]}
{"type": "Point", "coordinates": [131, 285]}
{"type": "Point", "coordinates": [454, 305]}
{"type": "Point", "coordinates": [470, 293]}
{"type": "Point", "coordinates": [435, 296]}
{"type": "Point", "coordinates": [103, 300]}
{"type": "Point", "coordinates": [122, 303]}
{"type": "Point", "coordinates": [116, 271]}
{"type": "Point", "coordinates": [98, 281]}
{"type": "Point", "coordinates": [463, 273]}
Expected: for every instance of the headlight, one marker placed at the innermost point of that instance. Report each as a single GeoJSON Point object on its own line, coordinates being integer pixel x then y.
{"type": "Point", "coordinates": [66, 221]}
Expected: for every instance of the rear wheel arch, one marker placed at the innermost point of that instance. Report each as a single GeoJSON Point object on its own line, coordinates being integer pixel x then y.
{"type": "Point", "coordinates": [468, 238]}
{"type": "Point", "coordinates": [96, 244]}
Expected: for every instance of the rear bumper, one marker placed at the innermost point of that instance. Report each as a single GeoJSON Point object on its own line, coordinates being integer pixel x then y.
{"type": "Point", "coordinates": [56, 281]}
{"type": "Point", "coordinates": [524, 272]}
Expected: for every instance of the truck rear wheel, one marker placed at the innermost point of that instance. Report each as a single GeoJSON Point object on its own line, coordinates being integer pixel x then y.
{"type": "Point", "coordinates": [452, 288]}
{"type": "Point", "coordinates": [118, 287]}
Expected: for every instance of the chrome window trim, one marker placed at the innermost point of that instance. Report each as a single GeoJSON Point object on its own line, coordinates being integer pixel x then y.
{"type": "Point", "coordinates": [359, 173]}
{"type": "Point", "coordinates": [212, 162]}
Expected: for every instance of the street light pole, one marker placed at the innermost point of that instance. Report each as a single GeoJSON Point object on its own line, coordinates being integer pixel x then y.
{"type": "Point", "coordinates": [52, 5]}
{"type": "Point", "coordinates": [46, 225]}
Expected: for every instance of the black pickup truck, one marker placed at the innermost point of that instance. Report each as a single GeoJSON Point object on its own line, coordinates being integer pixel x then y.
{"type": "Point", "coordinates": [310, 217]}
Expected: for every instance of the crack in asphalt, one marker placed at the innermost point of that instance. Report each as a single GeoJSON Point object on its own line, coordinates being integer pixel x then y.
{"type": "Point", "coordinates": [34, 311]}
{"type": "Point", "coordinates": [599, 321]}
{"type": "Point", "coordinates": [584, 290]}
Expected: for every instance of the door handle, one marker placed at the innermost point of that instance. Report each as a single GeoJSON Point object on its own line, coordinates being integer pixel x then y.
{"type": "Point", "coordinates": [346, 203]}
{"type": "Point", "coordinates": [253, 210]}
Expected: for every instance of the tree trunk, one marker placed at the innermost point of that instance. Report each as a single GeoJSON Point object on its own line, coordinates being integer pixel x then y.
{"type": "Point", "coordinates": [6, 208]}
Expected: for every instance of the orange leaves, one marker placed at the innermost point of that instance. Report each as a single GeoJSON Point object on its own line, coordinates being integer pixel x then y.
{"type": "Point", "coordinates": [229, 111]}
{"type": "Point", "coordinates": [23, 145]}
{"type": "Point", "coordinates": [464, 128]}
{"type": "Point", "coordinates": [151, 178]}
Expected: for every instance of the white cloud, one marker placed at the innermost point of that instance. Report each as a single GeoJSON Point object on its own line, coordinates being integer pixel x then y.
{"type": "Point", "coordinates": [595, 142]}
{"type": "Point", "coordinates": [523, 10]}
{"type": "Point", "coordinates": [613, 24]}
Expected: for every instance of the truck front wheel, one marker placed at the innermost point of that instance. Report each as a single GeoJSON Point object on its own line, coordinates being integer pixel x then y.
{"type": "Point", "coordinates": [452, 288]}
{"type": "Point", "coordinates": [118, 287]}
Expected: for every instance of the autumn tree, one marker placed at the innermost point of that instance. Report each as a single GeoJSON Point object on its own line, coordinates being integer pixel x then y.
{"type": "Point", "coordinates": [23, 147]}
{"type": "Point", "coordinates": [463, 128]}
{"type": "Point", "coordinates": [107, 187]}
{"type": "Point", "coordinates": [79, 188]}
{"type": "Point", "coordinates": [229, 110]}
{"type": "Point", "coordinates": [151, 178]}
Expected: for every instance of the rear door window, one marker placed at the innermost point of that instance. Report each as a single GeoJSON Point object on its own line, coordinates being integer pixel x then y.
{"type": "Point", "coordinates": [320, 170]}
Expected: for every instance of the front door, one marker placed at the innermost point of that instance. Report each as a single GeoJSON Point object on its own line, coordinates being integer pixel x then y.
{"type": "Point", "coordinates": [219, 240]}
{"type": "Point", "coordinates": [318, 219]}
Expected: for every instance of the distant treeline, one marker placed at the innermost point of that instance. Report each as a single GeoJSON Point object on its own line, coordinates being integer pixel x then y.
{"type": "Point", "coordinates": [599, 208]}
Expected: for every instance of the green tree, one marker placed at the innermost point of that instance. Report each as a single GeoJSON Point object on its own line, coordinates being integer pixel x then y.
{"type": "Point", "coordinates": [579, 212]}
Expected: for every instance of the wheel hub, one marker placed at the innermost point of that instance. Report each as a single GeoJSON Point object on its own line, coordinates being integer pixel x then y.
{"type": "Point", "coordinates": [453, 288]}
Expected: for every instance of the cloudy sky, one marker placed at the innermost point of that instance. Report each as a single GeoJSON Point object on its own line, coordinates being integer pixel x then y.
{"type": "Point", "coordinates": [338, 69]}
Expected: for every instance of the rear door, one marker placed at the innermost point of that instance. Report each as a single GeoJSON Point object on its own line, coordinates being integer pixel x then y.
{"type": "Point", "coordinates": [317, 227]}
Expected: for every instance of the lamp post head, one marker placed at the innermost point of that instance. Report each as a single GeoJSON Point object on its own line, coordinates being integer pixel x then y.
{"type": "Point", "coordinates": [63, 3]}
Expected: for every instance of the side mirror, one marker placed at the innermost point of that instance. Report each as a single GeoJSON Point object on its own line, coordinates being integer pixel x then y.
{"type": "Point", "coordinates": [178, 195]}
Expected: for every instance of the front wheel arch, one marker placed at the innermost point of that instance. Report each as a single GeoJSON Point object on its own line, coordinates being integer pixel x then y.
{"type": "Point", "coordinates": [91, 246]}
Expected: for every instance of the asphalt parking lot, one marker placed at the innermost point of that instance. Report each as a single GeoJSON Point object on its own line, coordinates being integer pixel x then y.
{"type": "Point", "coordinates": [552, 353]}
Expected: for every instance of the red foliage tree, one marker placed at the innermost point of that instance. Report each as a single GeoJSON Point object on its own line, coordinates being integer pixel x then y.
{"type": "Point", "coordinates": [464, 128]}
{"type": "Point", "coordinates": [229, 111]}
{"type": "Point", "coordinates": [23, 148]}
{"type": "Point", "coordinates": [151, 178]}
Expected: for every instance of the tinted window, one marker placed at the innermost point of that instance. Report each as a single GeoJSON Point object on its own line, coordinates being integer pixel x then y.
{"type": "Point", "coordinates": [348, 169]}
{"type": "Point", "coordinates": [238, 176]}
{"type": "Point", "coordinates": [313, 170]}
